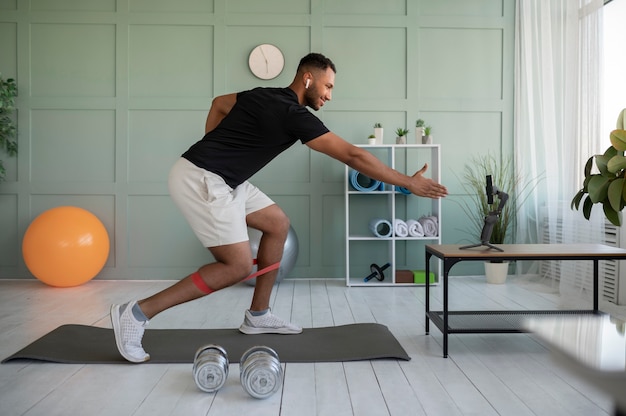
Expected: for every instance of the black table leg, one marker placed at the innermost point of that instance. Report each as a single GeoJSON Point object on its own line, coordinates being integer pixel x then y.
{"type": "Point", "coordinates": [446, 269]}
{"type": "Point", "coordinates": [595, 285]}
{"type": "Point", "coordinates": [427, 293]}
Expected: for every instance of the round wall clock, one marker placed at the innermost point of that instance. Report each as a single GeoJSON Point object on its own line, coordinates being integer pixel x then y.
{"type": "Point", "coordinates": [266, 61]}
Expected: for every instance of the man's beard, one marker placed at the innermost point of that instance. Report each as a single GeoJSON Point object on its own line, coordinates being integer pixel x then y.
{"type": "Point", "coordinates": [311, 99]}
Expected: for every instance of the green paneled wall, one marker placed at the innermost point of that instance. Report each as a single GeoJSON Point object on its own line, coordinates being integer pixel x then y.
{"type": "Point", "coordinates": [111, 92]}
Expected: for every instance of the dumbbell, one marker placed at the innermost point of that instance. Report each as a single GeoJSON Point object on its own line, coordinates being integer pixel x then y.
{"type": "Point", "coordinates": [260, 372]}
{"type": "Point", "coordinates": [210, 368]}
{"type": "Point", "coordinates": [377, 272]}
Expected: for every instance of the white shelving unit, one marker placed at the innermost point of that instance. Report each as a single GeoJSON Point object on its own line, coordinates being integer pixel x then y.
{"type": "Point", "coordinates": [363, 247]}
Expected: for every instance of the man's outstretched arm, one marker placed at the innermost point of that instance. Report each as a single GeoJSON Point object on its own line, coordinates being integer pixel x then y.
{"type": "Point", "coordinates": [366, 163]}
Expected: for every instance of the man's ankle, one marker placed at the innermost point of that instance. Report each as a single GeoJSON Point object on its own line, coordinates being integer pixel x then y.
{"type": "Point", "coordinates": [259, 313]}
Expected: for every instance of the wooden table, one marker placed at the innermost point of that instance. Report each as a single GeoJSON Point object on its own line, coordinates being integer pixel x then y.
{"type": "Point", "coordinates": [458, 322]}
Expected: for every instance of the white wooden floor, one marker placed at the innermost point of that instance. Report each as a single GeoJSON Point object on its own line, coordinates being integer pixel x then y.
{"type": "Point", "coordinates": [499, 374]}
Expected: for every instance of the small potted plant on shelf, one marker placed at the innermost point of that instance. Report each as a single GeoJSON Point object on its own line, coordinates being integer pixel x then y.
{"type": "Point", "coordinates": [378, 133]}
{"type": "Point", "coordinates": [606, 187]}
{"type": "Point", "coordinates": [476, 206]}
{"type": "Point", "coordinates": [419, 130]}
{"type": "Point", "coordinates": [371, 139]}
{"type": "Point", "coordinates": [427, 138]}
{"type": "Point", "coordinates": [401, 135]}
{"type": "Point", "coordinates": [8, 92]}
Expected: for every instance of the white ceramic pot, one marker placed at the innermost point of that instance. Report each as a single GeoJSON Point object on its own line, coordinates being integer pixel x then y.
{"type": "Point", "coordinates": [378, 132]}
{"type": "Point", "coordinates": [496, 272]}
{"type": "Point", "coordinates": [419, 133]}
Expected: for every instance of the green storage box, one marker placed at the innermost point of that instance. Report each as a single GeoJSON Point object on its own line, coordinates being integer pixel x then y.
{"type": "Point", "coordinates": [419, 277]}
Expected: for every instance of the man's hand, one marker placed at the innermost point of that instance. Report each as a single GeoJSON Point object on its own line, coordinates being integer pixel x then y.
{"type": "Point", "coordinates": [426, 187]}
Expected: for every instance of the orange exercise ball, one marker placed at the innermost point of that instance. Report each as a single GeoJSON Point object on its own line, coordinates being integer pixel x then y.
{"type": "Point", "coordinates": [65, 246]}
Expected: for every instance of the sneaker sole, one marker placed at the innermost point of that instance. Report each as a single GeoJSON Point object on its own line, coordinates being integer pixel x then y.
{"type": "Point", "coordinates": [115, 321]}
{"type": "Point", "coordinates": [249, 330]}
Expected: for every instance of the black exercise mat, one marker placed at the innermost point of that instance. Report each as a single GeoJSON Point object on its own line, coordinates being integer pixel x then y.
{"type": "Point", "coordinates": [81, 344]}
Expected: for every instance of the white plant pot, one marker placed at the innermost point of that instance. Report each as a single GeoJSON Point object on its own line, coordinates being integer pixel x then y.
{"type": "Point", "coordinates": [378, 132]}
{"type": "Point", "coordinates": [496, 272]}
{"type": "Point", "coordinates": [419, 132]}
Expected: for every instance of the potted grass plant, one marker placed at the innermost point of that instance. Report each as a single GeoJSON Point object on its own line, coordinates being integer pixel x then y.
{"type": "Point", "coordinates": [8, 145]}
{"type": "Point", "coordinates": [401, 135]}
{"type": "Point", "coordinates": [476, 207]}
{"type": "Point", "coordinates": [428, 138]}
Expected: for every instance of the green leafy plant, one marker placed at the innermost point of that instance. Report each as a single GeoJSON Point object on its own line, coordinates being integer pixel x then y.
{"type": "Point", "coordinates": [427, 130]}
{"type": "Point", "coordinates": [420, 123]}
{"type": "Point", "coordinates": [8, 92]}
{"type": "Point", "coordinates": [371, 136]}
{"type": "Point", "coordinates": [401, 132]}
{"type": "Point", "coordinates": [378, 125]}
{"type": "Point", "coordinates": [608, 186]}
{"type": "Point", "coordinates": [506, 180]}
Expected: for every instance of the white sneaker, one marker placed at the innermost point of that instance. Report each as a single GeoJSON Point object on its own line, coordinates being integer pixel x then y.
{"type": "Point", "coordinates": [128, 333]}
{"type": "Point", "coordinates": [267, 324]}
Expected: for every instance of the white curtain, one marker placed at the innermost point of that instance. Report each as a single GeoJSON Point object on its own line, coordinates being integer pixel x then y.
{"type": "Point", "coordinates": [557, 122]}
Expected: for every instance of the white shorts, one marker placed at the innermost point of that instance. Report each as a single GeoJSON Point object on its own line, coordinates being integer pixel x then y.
{"type": "Point", "coordinates": [215, 211]}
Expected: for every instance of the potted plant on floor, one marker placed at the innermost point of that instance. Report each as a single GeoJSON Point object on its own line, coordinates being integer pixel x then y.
{"type": "Point", "coordinates": [607, 186]}
{"type": "Point", "coordinates": [8, 92]}
{"type": "Point", "coordinates": [476, 207]}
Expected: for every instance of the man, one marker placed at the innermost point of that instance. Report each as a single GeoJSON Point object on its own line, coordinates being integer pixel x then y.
{"type": "Point", "coordinates": [209, 184]}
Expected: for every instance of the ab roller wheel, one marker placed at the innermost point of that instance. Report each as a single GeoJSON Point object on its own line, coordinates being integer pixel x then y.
{"type": "Point", "coordinates": [377, 272]}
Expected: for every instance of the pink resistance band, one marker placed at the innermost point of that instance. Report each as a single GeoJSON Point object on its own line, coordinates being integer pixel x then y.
{"type": "Point", "coordinates": [200, 284]}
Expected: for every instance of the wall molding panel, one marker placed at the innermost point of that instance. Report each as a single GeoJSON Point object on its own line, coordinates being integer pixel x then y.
{"type": "Point", "coordinates": [111, 92]}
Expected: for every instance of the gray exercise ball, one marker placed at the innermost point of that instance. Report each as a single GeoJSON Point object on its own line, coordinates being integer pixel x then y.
{"type": "Point", "coordinates": [290, 253]}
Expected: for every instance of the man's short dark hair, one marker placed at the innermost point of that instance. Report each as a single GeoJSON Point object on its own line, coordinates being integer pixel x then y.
{"type": "Point", "coordinates": [316, 61]}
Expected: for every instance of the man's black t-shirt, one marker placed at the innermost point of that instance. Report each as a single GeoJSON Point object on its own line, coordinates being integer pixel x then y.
{"type": "Point", "coordinates": [263, 123]}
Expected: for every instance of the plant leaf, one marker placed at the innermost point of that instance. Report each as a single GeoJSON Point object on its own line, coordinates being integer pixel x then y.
{"type": "Point", "coordinates": [602, 161]}
{"type": "Point", "coordinates": [587, 205]}
{"type": "Point", "coordinates": [614, 216]}
{"type": "Point", "coordinates": [618, 139]}
{"type": "Point", "coordinates": [588, 166]}
{"type": "Point", "coordinates": [616, 163]}
{"type": "Point", "coordinates": [614, 193]}
{"type": "Point", "coordinates": [598, 188]}
{"type": "Point", "coordinates": [576, 200]}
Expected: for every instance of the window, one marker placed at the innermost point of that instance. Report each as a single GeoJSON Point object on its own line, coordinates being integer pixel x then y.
{"type": "Point", "coordinates": [614, 15]}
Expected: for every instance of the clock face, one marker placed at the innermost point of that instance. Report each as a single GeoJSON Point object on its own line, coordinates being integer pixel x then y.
{"type": "Point", "coordinates": [266, 61]}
